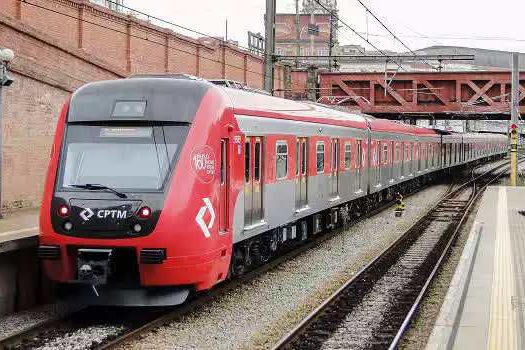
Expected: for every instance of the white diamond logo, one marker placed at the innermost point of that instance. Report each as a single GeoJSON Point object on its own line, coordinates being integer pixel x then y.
{"type": "Point", "coordinates": [200, 217]}
{"type": "Point", "coordinates": [86, 214]}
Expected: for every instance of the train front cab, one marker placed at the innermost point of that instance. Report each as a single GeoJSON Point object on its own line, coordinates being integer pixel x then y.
{"type": "Point", "coordinates": [133, 206]}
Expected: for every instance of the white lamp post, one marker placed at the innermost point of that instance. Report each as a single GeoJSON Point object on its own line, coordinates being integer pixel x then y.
{"type": "Point", "coordinates": [6, 56]}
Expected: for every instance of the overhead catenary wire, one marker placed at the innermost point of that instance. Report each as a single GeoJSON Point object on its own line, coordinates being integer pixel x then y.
{"type": "Point", "coordinates": [141, 38]}
{"type": "Point", "coordinates": [392, 33]}
{"type": "Point", "coordinates": [359, 35]}
{"type": "Point", "coordinates": [134, 11]}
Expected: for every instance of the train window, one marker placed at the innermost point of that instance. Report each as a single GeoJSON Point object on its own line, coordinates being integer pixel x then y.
{"type": "Point", "coordinates": [359, 154]}
{"type": "Point", "coordinates": [348, 155]}
{"type": "Point", "coordinates": [335, 154]}
{"type": "Point", "coordinates": [303, 158]}
{"type": "Point", "coordinates": [257, 161]}
{"type": "Point", "coordinates": [385, 153]}
{"type": "Point", "coordinates": [124, 157]}
{"type": "Point", "coordinates": [297, 156]}
{"type": "Point", "coordinates": [281, 160]}
{"type": "Point", "coordinates": [223, 161]}
{"type": "Point", "coordinates": [247, 161]}
{"type": "Point", "coordinates": [320, 157]}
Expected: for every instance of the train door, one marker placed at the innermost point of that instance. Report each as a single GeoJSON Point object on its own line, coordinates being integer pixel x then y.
{"type": "Point", "coordinates": [301, 198]}
{"type": "Point", "coordinates": [223, 188]}
{"type": "Point", "coordinates": [335, 167]}
{"type": "Point", "coordinates": [359, 166]}
{"type": "Point", "coordinates": [253, 201]}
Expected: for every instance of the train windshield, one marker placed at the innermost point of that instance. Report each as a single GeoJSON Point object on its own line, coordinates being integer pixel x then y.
{"type": "Point", "coordinates": [123, 157]}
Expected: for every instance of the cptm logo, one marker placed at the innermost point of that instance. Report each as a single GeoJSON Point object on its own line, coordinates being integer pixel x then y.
{"type": "Point", "coordinates": [86, 214]}
{"type": "Point", "coordinates": [207, 207]}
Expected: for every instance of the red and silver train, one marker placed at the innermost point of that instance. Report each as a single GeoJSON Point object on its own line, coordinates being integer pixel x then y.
{"type": "Point", "coordinates": [159, 186]}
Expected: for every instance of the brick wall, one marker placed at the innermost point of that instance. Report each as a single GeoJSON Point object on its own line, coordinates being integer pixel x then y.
{"type": "Point", "coordinates": [63, 44]}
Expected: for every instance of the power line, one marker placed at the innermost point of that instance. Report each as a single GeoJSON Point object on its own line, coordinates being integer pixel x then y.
{"type": "Point", "coordinates": [453, 37]}
{"type": "Point", "coordinates": [392, 33]}
{"type": "Point", "coordinates": [134, 11]}
{"type": "Point", "coordinates": [360, 36]}
{"type": "Point", "coordinates": [139, 37]}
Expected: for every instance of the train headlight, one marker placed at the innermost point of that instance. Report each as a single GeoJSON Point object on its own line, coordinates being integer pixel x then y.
{"type": "Point", "coordinates": [63, 211]}
{"type": "Point", "coordinates": [68, 225]}
{"type": "Point", "coordinates": [145, 213]}
{"type": "Point", "coordinates": [137, 228]}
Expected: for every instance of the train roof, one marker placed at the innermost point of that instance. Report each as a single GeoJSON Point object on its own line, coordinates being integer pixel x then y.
{"type": "Point", "coordinates": [248, 103]}
{"type": "Point", "coordinates": [166, 93]}
{"type": "Point", "coordinates": [274, 107]}
{"type": "Point", "coordinates": [384, 125]}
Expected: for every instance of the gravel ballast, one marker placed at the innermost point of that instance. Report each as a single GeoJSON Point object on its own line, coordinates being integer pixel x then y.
{"type": "Point", "coordinates": [18, 322]}
{"type": "Point", "coordinates": [421, 328]}
{"type": "Point", "coordinates": [259, 312]}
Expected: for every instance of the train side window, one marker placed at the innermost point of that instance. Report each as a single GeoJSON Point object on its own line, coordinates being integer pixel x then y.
{"type": "Point", "coordinates": [281, 160]}
{"type": "Point", "coordinates": [257, 161]}
{"type": "Point", "coordinates": [359, 154]}
{"type": "Point", "coordinates": [320, 157]}
{"type": "Point", "coordinates": [247, 161]}
{"type": "Point", "coordinates": [303, 158]}
{"type": "Point", "coordinates": [348, 155]}
{"type": "Point", "coordinates": [223, 161]}
{"type": "Point", "coordinates": [335, 154]}
{"type": "Point", "coordinates": [385, 153]}
{"type": "Point", "coordinates": [297, 160]}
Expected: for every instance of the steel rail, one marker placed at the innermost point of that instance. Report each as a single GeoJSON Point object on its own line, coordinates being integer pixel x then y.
{"type": "Point", "coordinates": [413, 310]}
{"type": "Point", "coordinates": [192, 305]}
{"type": "Point", "coordinates": [232, 284]}
{"type": "Point", "coordinates": [203, 298]}
{"type": "Point", "coordinates": [19, 337]}
{"type": "Point", "coordinates": [299, 329]}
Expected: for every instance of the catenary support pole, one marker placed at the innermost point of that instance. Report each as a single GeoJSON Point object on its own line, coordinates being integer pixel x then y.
{"type": "Point", "coordinates": [297, 33]}
{"type": "Point", "coordinates": [514, 119]}
{"type": "Point", "coordinates": [270, 45]}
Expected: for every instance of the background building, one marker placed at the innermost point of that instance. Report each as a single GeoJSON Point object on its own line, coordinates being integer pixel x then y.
{"type": "Point", "coordinates": [115, 5]}
{"type": "Point", "coordinates": [311, 32]}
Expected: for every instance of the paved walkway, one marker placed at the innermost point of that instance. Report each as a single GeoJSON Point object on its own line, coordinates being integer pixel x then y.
{"type": "Point", "coordinates": [485, 304]}
{"type": "Point", "coordinates": [20, 225]}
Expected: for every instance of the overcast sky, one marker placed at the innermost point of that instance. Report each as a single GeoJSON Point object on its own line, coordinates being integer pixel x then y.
{"type": "Point", "coordinates": [473, 23]}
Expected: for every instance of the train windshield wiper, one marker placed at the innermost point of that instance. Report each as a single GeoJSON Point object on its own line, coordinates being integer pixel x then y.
{"type": "Point", "coordinates": [97, 187]}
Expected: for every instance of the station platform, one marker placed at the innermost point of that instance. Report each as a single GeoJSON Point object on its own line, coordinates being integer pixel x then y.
{"type": "Point", "coordinates": [19, 230]}
{"type": "Point", "coordinates": [485, 304]}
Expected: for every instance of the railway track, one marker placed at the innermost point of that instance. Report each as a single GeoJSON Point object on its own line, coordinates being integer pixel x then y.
{"type": "Point", "coordinates": [144, 320]}
{"type": "Point", "coordinates": [129, 323]}
{"type": "Point", "coordinates": [375, 308]}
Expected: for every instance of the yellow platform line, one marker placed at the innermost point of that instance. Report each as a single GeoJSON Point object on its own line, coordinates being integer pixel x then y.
{"type": "Point", "coordinates": [502, 327]}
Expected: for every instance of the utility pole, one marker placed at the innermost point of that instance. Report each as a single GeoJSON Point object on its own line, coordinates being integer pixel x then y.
{"type": "Point", "coordinates": [312, 22]}
{"type": "Point", "coordinates": [6, 56]}
{"type": "Point", "coordinates": [270, 45]}
{"type": "Point", "coordinates": [297, 33]}
{"type": "Point", "coordinates": [226, 34]}
{"type": "Point", "coordinates": [514, 113]}
{"type": "Point", "coordinates": [331, 42]}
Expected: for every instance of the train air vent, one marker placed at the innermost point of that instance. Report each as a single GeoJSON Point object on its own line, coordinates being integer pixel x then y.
{"type": "Point", "coordinates": [152, 256]}
{"type": "Point", "coordinates": [49, 252]}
